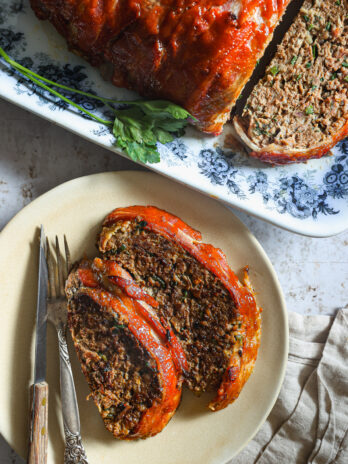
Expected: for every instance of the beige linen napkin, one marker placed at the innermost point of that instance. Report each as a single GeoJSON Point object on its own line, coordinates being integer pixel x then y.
{"type": "Point", "coordinates": [309, 422]}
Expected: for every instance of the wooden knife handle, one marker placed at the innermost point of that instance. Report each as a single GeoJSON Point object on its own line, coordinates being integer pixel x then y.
{"type": "Point", "coordinates": [38, 436]}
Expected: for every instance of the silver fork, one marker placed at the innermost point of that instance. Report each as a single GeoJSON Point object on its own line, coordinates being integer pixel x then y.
{"type": "Point", "coordinates": [58, 269]}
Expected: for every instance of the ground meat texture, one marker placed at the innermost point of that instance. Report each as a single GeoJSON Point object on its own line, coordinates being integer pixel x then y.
{"type": "Point", "coordinates": [302, 101]}
{"type": "Point", "coordinates": [199, 308]}
{"type": "Point", "coordinates": [120, 372]}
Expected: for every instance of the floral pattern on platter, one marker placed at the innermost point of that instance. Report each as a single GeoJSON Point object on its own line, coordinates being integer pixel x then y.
{"type": "Point", "coordinates": [303, 194]}
{"type": "Point", "coordinates": [218, 167]}
{"type": "Point", "coordinates": [290, 194]}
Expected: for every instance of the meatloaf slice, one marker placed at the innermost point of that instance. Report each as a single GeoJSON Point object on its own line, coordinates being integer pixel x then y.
{"type": "Point", "coordinates": [129, 369]}
{"type": "Point", "coordinates": [198, 54]}
{"type": "Point", "coordinates": [299, 110]}
{"type": "Point", "coordinates": [213, 315]}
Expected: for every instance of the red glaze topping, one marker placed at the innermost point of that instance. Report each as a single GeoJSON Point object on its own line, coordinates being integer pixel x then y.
{"type": "Point", "coordinates": [123, 279]}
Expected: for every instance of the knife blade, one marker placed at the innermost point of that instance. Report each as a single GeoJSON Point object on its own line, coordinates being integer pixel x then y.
{"type": "Point", "coordinates": [41, 314]}
{"type": "Point", "coordinates": [38, 438]}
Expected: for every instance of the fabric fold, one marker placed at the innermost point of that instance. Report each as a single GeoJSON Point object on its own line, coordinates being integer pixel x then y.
{"type": "Point", "coordinates": [309, 421]}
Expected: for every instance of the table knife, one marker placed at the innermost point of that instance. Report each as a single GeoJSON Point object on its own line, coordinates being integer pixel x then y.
{"type": "Point", "coordinates": [38, 436]}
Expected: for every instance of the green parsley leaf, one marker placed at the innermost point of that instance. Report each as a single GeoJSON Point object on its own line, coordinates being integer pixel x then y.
{"type": "Point", "coordinates": [346, 79]}
{"type": "Point", "coordinates": [274, 70]}
{"type": "Point", "coordinates": [293, 59]}
{"type": "Point", "coordinates": [309, 64]}
{"type": "Point", "coordinates": [136, 134]}
{"type": "Point", "coordinates": [314, 51]}
{"type": "Point", "coordinates": [328, 26]}
{"type": "Point", "coordinates": [306, 18]}
{"type": "Point", "coordinates": [138, 129]}
{"type": "Point", "coordinates": [309, 110]}
{"type": "Point", "coordinates": [298, 77]}
{"type": "Point", "coordinates": [338, 2]}
{"type": "Point", "coordinates": [163, 109]}
{"type": "Point", "coordinates": [310, 27]}
{"type": "Point", "coordinates": [345, 64]}
{"type": "Point", "coordinates": [163, 136]}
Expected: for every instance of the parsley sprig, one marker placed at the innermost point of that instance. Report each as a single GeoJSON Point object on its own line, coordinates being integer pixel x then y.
{"type": "Point", "coordinates": [137, 127]}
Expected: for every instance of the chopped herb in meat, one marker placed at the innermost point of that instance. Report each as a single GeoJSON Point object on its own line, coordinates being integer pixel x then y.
{"type": "Point", "coordinates": [274, 70]}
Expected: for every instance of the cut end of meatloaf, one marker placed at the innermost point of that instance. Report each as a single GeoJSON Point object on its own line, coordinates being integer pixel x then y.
{"type": "Point", "coordinates": [195, 303]}
{"type": "Point", "coordinates": [122, 375]}
{"type": "Point", "coordinates": [299, 109]}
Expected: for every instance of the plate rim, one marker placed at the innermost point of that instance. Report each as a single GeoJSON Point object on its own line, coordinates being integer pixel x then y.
{"type": "Point", "coordinates": [283, 308]}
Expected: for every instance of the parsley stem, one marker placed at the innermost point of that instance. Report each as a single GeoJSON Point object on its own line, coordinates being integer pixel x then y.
{"type": "Point", "coordinates": [67, 100]}
{"type": "Point", "coordinates": [21, 68]}
{"type": "Point", "coordinates": [37, 80]}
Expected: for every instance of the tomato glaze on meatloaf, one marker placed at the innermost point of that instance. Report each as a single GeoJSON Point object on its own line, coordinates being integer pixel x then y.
{"type": "Point", "coordinates": [213, 315]}
{"type": "Point", "coordinates": [128, 365]}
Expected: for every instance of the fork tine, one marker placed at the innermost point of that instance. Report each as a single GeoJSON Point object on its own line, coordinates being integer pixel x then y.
{"type": "Point", "coordinates": [60, 270]}
{"type": "Point", "coordinates": [51, 274]}
{"type": "Point", "coordinates": [48, 271]}
{"type": "Point", "coordinates": [67, 256]}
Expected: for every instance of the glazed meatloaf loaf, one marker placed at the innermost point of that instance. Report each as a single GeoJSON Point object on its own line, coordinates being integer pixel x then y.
{"type": "Point", "coordinates": [124, 354]}
{"type": "Point", "coordinates": [299, 110]}
{"type": "Point", "coordinates": [214, 317]}
{"type": "Point", "coordinates": [198, 54]}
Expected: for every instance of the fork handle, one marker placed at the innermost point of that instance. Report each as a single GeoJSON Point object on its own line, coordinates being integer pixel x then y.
{"type": "Point", "coordinates": [38, 436]}
{"type": "Point", "coordinates": [74, 450]}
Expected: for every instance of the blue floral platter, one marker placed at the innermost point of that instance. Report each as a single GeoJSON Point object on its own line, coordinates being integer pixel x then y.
{"type": "Point", "coordinates": [310, 198]}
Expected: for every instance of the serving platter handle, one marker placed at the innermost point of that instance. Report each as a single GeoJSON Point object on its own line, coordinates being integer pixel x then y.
{"type": "Point", "coordinates": [38, 434]}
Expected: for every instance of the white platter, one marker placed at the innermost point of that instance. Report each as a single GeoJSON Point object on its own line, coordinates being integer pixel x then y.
{"type": "Point", "coordinates": [195, 435]}
{"type": "Point", "coordinates": [310, 199]}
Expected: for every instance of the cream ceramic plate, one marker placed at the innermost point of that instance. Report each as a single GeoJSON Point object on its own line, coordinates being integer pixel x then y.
{"type": "Point", "coordinates": [195, 435]}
